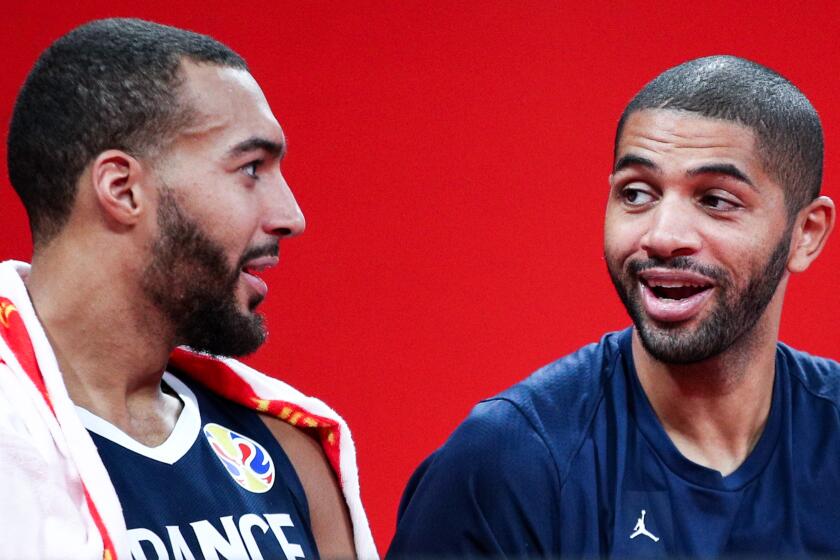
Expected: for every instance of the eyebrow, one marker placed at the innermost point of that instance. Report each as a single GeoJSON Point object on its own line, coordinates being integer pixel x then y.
{"type": "Point", "coordinates": [631, 160]}
{"type": "Point", "coordinates": [276, 149]}
{"type": "Point", "coordinates": [727, 169]}
{"type": "Point", "coordinates": [722, 169]}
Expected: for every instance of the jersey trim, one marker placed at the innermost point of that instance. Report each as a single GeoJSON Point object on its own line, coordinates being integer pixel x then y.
{"type": "Point", "coordinates": [186, 430]}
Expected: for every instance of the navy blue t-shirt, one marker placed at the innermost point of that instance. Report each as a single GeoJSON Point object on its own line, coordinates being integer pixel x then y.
{"type": "Point", "coordinates": [573, 462]}
{"type": "Point", "coordinates": [220, 486]}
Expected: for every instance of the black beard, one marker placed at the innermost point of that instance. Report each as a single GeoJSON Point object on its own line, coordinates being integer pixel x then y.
{"type": "Point", "coordinates": [735, 313]}
{"type": "Point", "coordinates": [190, 282]}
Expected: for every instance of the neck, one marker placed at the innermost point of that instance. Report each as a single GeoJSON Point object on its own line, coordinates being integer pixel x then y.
{"type": "Point", "coordinates": [714, 411]}
{"type": "Point", "coordinates": [111, 350]}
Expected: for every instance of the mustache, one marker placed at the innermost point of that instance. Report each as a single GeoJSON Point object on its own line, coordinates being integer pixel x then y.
{"type": "Point", "coordinates": [677, 263]}
{"type": "Point", "coordinates": [269, 249]}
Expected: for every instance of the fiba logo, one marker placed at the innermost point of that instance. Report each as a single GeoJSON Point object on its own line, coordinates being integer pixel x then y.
{"type": "Point", "coordinates": [246, 460]}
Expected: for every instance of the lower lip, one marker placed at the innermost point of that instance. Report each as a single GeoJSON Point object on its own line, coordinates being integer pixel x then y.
{"type": "Point", "coordinates": [673, 310]}
{"type": "Point", "coordinates": [256, 283]}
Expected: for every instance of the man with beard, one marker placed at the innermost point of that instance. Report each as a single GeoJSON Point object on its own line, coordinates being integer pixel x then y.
{"type": "Point", "coordinates": [148, 161]}
{"type": "Point", "coordinates": [695, 433]}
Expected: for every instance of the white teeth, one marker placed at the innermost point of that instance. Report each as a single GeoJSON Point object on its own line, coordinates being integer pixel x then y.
{"type": "Point", "coordinates": [674, 285]}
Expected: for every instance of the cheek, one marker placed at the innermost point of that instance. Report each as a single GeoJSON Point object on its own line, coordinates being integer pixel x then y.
{"type": "Point", "coordinates": [233, 225]}
{"type": "Point", "coordinates": [732, 246]}
{"type": "Point", "coordinates": [741, 256]}
{"type": "Point", "coordinates": [621, 235]}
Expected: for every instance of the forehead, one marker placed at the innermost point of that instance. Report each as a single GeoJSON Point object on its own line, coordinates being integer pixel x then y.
{"type": "Point", "coordinates": [681, 138]}
{"type": "Point", "coordinates": [227, 106]}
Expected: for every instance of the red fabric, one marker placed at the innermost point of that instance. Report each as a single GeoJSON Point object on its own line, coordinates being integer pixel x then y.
{"type": "Point", "coordinates": [212, 373]}
{"type": "Point", "coordinates": [222, 380]}
{"type": "Point", "coordinates": [14, 333]}
{"type": "Point", "coordinates": [16, 336]}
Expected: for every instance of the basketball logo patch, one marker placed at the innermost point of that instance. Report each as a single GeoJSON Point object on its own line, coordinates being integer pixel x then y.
{"type": "Point", "coordinates": [246, 460]}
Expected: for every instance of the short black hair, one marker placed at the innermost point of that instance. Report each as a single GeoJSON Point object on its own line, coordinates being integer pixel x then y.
{"type": "Point", "coordinates": [108, 84]}
{"type": "Point", "coordinates": [788, 132]}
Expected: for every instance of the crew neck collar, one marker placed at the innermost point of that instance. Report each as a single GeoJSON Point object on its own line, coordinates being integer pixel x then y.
{"type": "Point", "coordinates": [653, 431]}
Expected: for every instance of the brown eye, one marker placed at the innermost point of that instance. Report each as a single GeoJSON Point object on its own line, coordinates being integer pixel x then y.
{"type": "Point", "coordinates": [718, 203]}
{"type": "Point", "coordinates": [635, 197]}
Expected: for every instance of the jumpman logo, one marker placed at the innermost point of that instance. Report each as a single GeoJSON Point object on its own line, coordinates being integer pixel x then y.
{"type": "Point", "coordinates": [640, 529]}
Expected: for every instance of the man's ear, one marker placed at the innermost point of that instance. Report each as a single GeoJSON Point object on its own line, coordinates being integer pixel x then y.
{"type": "Point", "coordinates": [117, 179]}
{"type": "Point", "coordinates": [813, 224]}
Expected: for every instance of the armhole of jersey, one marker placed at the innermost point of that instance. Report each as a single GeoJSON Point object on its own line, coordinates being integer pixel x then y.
{"type": "Point", "coordinates": [182, 438]}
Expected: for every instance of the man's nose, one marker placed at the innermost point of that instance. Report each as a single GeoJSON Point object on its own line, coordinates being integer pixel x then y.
{"type": "Point", "coordinates": [283, 217]}
{"type": "Point", "coordinates": [672, 231]}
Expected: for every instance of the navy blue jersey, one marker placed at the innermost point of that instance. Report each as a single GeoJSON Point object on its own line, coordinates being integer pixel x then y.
{"type": "Point", "coordinates": [573, 462]}
{"type": "Point", "coordinates": [219, 487]}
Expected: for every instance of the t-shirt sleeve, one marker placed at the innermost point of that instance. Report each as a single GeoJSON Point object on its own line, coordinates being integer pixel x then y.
{"type": "Point", "coordinates": [492, 490]}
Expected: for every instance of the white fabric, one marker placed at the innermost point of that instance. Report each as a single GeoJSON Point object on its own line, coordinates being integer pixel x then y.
{"type": "Point", "coordinates": [177, 444]}
{"type": "Point", "coordinates": [44, 457]}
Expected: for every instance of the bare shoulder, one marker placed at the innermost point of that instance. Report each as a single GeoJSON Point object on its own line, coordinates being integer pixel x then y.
{"type": "Point", "coordinates": [331, 524]}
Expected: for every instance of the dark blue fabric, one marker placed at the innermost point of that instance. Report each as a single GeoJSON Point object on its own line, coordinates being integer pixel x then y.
{"type": "Point", "coordinates": [198, 489]}
{"type": "Point", "coordinates": [564, 463]}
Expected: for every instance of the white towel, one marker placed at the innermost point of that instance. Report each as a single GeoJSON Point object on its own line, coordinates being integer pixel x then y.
{"type": "Point", "coordinates": [60, 502]}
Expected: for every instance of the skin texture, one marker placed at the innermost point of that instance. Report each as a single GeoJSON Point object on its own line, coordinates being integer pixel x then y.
{"type": "Point", "coordinates": [90, 285]}
{"type": "Point", "coordinates": [190, 281]}
{"type": "Point", "coordinates": [331, 525]}
{"type": "Point", "coordinates": [690, 193]}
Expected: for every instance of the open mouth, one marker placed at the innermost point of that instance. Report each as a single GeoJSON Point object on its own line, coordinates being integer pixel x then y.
{"type": "Point", "coordinates": [675, 290]}
{"type": "Point", "coordinates": [672, 295]}
{"type": "Point", "coordinates": [253, 268]}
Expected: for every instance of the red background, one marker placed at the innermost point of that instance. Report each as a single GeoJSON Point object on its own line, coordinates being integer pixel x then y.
{"type": "Point", "coordinates": [452, 162]}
